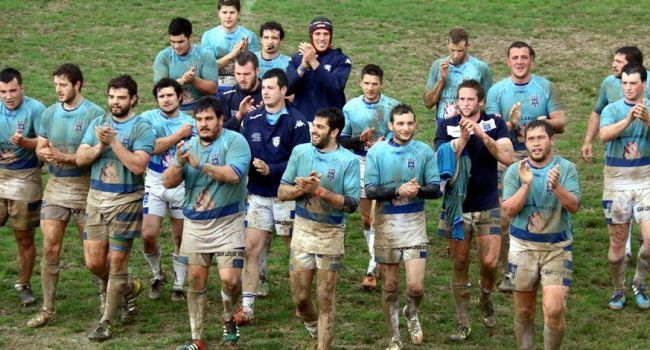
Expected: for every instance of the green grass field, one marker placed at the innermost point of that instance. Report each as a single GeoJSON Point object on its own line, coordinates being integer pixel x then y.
{"type": "Point", "coordinates": [574, 41]}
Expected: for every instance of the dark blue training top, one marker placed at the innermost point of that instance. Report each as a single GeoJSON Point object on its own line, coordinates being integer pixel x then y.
{"type": "Point", "coordinates": [230, 100]}
{"type": "Point", "coordinates": [322, 87]}
{"type": "Point", "coordinates": [272, 144]}
{"type": "Point", "coordinates": [482, 190]}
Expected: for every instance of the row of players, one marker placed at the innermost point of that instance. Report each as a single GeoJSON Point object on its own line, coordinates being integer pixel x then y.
{"type": "Point", "coordinates": [512, 116]}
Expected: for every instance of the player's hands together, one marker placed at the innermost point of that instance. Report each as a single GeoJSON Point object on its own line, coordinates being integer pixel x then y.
{"type": "Point", "coordinates": [525, 174]}
{"type": "Point", "coordinates": [554, 177]}
{"type": "Point", "coordinates": [409, 189]}
{"type": "Point", "coordinates": [309, 56]}
{"type": "Point", "coordinates": [51, 154]}
{"type": "Point", "coordinates": [184, 131]}
{"type": "Point", "coordinates": [261, 166]}
{"type": "Point", "coordinates": [310, 183]}
{"type": "Point", "coordinates": [188, 77]}
{"type": "Point", "coordinates": [105, 134]}
{"type": "Point", "coordinates": [640, 111]}
{"type": "Point", "coordinates": [514, 116]}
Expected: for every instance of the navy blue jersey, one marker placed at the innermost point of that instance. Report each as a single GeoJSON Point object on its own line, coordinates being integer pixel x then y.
{"type": "Point", "coordinates": [322, 87]}
{"type": "Point", "coordinates": [482, 191]}
{"type": "Point", "coordinates": [272, 143]}
{"type": "Point", "coordinates": [230, 100]}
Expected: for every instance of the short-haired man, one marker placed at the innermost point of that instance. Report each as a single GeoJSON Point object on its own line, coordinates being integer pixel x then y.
{"type": "Point", "coordinates": [214, 166]}
{"type": "Point", "coordinates": [190, 65]}
{"type": "Point", "coordinates": [448, 72]}
{"type": "Point", "coordinates": [366, 121]}
{"type": "Point", "coordinates": [323, 178]}
{"type": "Point", "coordinates": [63, 126]}
{"type": "Point", "coordinates": [400, 174]}
{"type": "Point", "coordinates": [227, 40]}
{"type": "Point", "coordinates": [610, 91]}
{"type": "Point", "coordinates": [484, 139]}
{"type": "Point", "coordinates": [317, 72]}
{"type": "Point", "coordinates": [20, 175]}
{"type": "Point", "coordinates": [272, 132]}
{"type": "Point", "coordinates": [246, 95]}
{"type": "Point", "coordinates": [271, 37]}
{"type": "Point", "coordinates": [520, 99]}
{"type": "Point", "coordinates": [626, 189]}
{"type": "Point", "coordinates": [540, 193]}
{"type": "Point", "coordinates": [117, 147]}
{"type": "Point", "coordinates": [170, 126]}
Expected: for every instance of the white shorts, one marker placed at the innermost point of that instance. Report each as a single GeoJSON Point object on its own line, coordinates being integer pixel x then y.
{"type": "Point", "coordinates": [270, 214]}
{"type": "Point", "coordinates": [160, 201]}
{"type": "Point", "coordinates": [620, 205]}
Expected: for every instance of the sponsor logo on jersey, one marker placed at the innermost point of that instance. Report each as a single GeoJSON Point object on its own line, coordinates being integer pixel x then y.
{"type": "Point", "coordinates": [299, 124]}
{"type": "Point", "coordinates": [276, 141]}
{"type": "Point", "coordinates": [330, 174]}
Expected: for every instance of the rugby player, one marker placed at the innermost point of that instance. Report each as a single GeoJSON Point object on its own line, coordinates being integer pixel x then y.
{"type": "Point", "coordinates": [323, 179]}
{"type": "Point", "coordinates": [227, 40]}
{"type": "Point", "coordinates": [448, 72]}
{"type": "Point", "coordinates": [214, 167]}
{"type": "Point", "coordinates": [366, 122]}
{"type": "Point", "coordinates": [20, 174]}
{"type": "Point", "coordinates": [170, 126]}
{"type": "Point", "coordinates": [484, 139]}
{"type": "Point", "coordinates": [271, 36]}
{"type": "Point", "coordinates": [63, 126]}
{"type": "Point", "coordinates": [540, 193]}
{"type": "Point", "coordinates": [191, 65]}
{"type": "Point", "coordinates": [272, 132]}
{"type": "Point", "coordinates": [317, 72]}
{"type": "Point", "coordinates": [400, 174]}
{"type": "Point", "coordinates": [624, 128]}
{"type": "Point", "coordinates": [117, 147]}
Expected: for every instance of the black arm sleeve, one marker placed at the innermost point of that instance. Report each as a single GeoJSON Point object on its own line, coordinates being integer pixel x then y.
{"type": "Point", "coordinates": [233, 124]}
{"type": "Point", "coordinates": [351, 143]}
{"type": "Point", "coordinates": [350, 204]}
{"type": "Point", "coordinates": [381, 193]}
{"type": "Point", "coordinates": [431, 191]}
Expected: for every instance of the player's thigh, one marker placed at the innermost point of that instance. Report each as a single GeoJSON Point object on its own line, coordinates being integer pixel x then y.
{"type": "Point", "coordinates": [259, 213]}
{"type": "Point", "coordinates": [284, 213]}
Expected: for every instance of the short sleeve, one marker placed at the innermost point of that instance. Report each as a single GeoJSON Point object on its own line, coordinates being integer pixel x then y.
{"type": "Point", "coordinates": [371, 176]}
{"type": "Point", "coordinates": [238, 156]}
{"type": "Point", "coordinates": [209, 67]}
{"type": "Point", "coordinates": [433, 74]}
{"type": "Point", "coordinates": [144, 137]}
{"type": "Point", "coordinates": [352, 185]}
{"type": "Point", "coordinates": [431, 172]}
{"type": "Point", "coordinates": [291, 171]}
{"type": "Point", "coordinates": [160, 66]}
{"type": "Point", "coordinates": [90, 137]}
{"type": "Point", "coordinates": [511, 180]}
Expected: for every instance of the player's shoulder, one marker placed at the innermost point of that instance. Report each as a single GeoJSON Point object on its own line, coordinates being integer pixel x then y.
{"type": "Point", "coordinates": [245, 31]}
{"type": "Point", "coordinates": [302, 149]}
{"type": "Point", "coordinates": [614, 106]}
{"type": "Point", "coordinates": [388, 101]}
{"type": "Point", "coordinates": [564, 163]}
{"type": "Point", "coordinates": [541, 81]}
{"type": "Point", "coordinates": [345, 155]}
{"type": "Point", "coordinates": [477, 62]}
{"type": "Point", "coordinates": [422, 147]}
{"type": "Point", "coordinates": [212, 33]}
{"type": "Point", "coordinates": [33, 104]}
{"type": "Point", "coordinates": [353, 103]}
{"type": "Point", "coordinates": [90, 105]}
{"type": "Point", "coordinates": [500, 86]}
{"type": "Point", "coordinates": [378, 148]}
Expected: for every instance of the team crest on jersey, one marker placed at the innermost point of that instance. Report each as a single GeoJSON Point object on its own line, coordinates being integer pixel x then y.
{"type": "Point", "coordinates": [411, 163]}
{"type": "Point", "coordinates": [534, 100]}
{"type": "Point", "coordinates": [125, 142]}
{"type": "Point", "coordinates": [330, 174]}
{"type": "Point", "coordinates": [78, 127]}
{"type": "Point", "coordinates": [215, 159]}
{"type": "Point", "coordinates": [328, 67]}
{"type": "Point", "coordinates": [21, 126]}
{"type": "Point", "coordinates": [276, 141]}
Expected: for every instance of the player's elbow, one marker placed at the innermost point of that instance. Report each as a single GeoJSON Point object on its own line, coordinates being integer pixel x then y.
{"type": "Point", "coordinates": [350, 204]}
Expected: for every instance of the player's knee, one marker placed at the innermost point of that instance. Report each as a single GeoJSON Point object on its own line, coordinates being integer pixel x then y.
{"type": "Point", "coordinates": [415, 288]}
{"type": "Point", "coordinates": [525, 312]}
{"type": "Point", "coordinates": [96, 266]}
{"type": "Point", "coordinates": [460, 263]}
{"type": "Point", "coordinates": [616, 257]}
{"type": "Point", "coordinates": [51, 252]}
{"type": "Point", "coordinates": [554, 314]}
{"type": "Point", "coordinates": [389, 295]}
{"type": "Point", "coordinates": [490, 262]}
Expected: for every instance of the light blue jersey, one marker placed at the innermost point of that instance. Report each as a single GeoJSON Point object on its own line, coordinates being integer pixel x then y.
{"type": "Point", "coordinates": [220, 43]}
{"type": "Point", "coordinates": [542, 224]}
{"type": "Point", "coordinates": [27, 119]}
{"type": "Point", "coordinates": [170, 65]}
{"type": "Point", "coordinates": [389, 164]}
{"type": "Point", "coordinates": [611, 91]}
{"type": "Point", "coordinates": [282, 61]}
{"type": "Point", "coordinates": [400, 222]}
{"type": "Point", "coordinates": [360, 115]}
{"type": "Point", "coordinates": [68, 184]}
{"type": "Point", "coordinates": [163, 127]}
{"type": "Point", "coordinates": [109, 177]}
{"type": "Point", "coordinates": [340, 174]}
{"type": "Point", "coordinates": [627, 157]}
{"type": "Point", "coordinates": [206, 198]}
{"type": "Point", "coordinates": [537, 97]}
{"type": "Point", "coordinates": [472, 68]}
